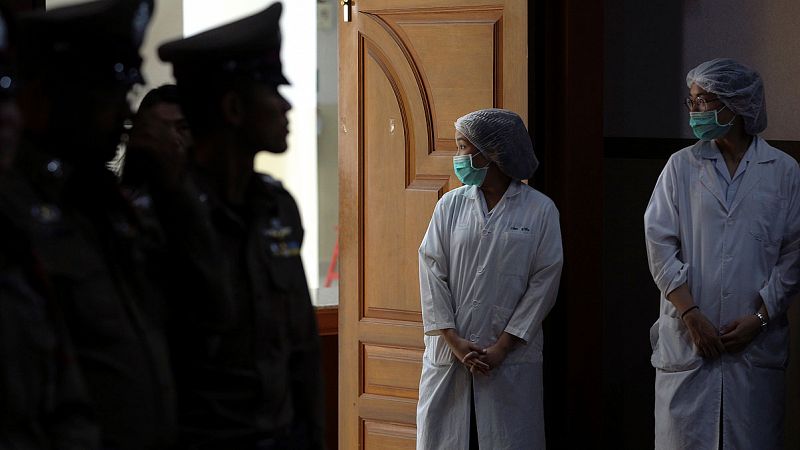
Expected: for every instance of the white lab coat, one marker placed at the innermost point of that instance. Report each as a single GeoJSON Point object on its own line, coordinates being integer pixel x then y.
{"type": "Point", "coordinates": [728, 257]}
{"type": "Point", "coordinates": [482, 278]}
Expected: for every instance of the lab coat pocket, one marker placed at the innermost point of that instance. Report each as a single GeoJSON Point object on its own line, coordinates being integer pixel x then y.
{"type": "Point", "coordinates": [437, 351]}
{"type": "Point", "coordinates": [517, 252]}
{"type": "Point", "coordinates": [673, 350]}
{"type": "Point", "coordinates": [767, 220]}
{"type": "Point", "coordinates": [770, 348]}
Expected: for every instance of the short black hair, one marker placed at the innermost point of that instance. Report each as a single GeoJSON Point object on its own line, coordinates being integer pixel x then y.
{"type": "Point", "coordinates": [167, 93]}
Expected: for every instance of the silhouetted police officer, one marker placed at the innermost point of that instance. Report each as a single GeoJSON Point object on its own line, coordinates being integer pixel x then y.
{"type": "Point", "coordinates": [77, 65]}
{"type": "Point", "coordinates": [160, 118]}
{"type": "Point", "coordinates": [258, 385]}
{"type": "Point", "coordinates": [43, 401]}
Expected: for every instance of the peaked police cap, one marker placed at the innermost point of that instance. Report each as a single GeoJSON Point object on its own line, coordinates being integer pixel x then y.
{"type": "Point", "coordinates": [97, 41]}
{"type": "Point", "coordinates": [248, 47]}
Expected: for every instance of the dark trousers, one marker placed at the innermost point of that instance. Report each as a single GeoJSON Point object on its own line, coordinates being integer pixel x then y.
{"type": "Point", "coordinates": [473, 426]}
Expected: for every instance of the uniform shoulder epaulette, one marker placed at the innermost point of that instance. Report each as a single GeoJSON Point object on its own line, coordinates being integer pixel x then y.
{"type": "Point", "coordinates": [271, 182]}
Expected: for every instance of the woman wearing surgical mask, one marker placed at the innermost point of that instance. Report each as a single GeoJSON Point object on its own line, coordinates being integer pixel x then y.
{"type": "Point", "coordinates": [723, 240]}
{"type": "Point", "coordinates": [489, 264]}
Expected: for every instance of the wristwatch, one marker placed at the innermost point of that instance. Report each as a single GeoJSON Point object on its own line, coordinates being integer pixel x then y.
{"type": "Point", "coordinates": [763, 320]}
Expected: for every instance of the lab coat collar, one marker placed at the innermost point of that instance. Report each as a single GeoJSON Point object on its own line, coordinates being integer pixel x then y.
{"type": "Point", "coordinates": [514, 188]}
{"type": "Point", "coordinates": [760, 153]}
{"type": "Point", "coordinates": [471, 192]}
{"type": "Point", "coordinates": [755, 153]}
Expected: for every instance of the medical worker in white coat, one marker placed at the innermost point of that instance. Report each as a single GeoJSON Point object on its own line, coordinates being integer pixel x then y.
{"type": "Point", "coordinates": [490, 265]}
{"type": "Point", "coordinates": [722, 241]}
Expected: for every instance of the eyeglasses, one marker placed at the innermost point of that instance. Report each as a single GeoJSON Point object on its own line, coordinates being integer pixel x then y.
{"type": "Point", "coordinates": [701, 103]}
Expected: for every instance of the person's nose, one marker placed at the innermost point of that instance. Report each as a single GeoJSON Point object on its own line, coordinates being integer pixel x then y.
{"type": "Point", "coordinates": [285, 105]}
{"type": "Point", "coordinates": [177, 137]}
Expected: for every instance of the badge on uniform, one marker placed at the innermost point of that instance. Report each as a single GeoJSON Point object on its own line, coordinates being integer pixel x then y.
{"type": "Point", "coordinates": [277, 236]}
{"type": "Point", "coordinates": [45, 214]}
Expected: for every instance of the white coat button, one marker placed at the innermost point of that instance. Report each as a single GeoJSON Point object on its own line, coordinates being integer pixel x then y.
{"type": "Point", "coordinates": [473, 337]}
{"type": "Point", "coordinates": [480, 269]}
{"type": "Point", "coordinates": [475, 303]}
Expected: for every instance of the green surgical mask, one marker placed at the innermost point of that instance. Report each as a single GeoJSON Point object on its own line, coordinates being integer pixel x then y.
{"type": "Point", "coordinates": [706, 126]}
{"type": "Point", "coordinates": [466, 172]}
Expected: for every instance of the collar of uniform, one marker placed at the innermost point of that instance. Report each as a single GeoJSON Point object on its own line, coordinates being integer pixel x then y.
{"type": "Point", "coordinates": [210, 197]}
{"type": "Point", "coordinates": [471, 192]}
{"type": "Point", "coordinates": [755, 152]}
{"type": "Point", "coordinates": [258, 198]}
{"type": "Point", "coordinates": [514, 188]}
{"type": "Point", "coordinates": [760, 153]}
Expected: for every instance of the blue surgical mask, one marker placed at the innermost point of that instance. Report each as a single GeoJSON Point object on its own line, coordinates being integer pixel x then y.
{"type": "Point", "coordinates": [466, 172]}
{"type": "Point", "coordinates": [706, 126]}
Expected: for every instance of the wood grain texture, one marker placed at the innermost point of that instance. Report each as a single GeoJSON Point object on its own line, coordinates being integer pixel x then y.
{"type": "Point", "coordinates": [388, 435]}
{"type": "Point", "coordinates": [391, 371]}
{"type": "Point", "coordinates": [328, 320]}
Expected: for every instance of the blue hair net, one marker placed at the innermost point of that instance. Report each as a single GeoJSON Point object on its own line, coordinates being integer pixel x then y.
{"type": "Point", "coordinates": [501, 136]}
{"type": "Point", "coordinates": [738, 87]}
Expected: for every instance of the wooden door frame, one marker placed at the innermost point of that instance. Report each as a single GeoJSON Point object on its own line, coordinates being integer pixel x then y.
{"type": "Point", "coordinates": [351, 238]}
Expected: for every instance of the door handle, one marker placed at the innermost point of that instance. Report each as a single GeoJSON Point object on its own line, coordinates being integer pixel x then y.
{"type": "Point", "coordinates": [346, 4]}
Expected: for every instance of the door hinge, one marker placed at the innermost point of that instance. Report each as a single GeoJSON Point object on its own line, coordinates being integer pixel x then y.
{"type": "Point", "coordinates": [347, 14]}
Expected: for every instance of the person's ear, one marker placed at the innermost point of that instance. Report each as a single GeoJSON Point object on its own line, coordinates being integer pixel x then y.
{"type": "Point", "coordinates": [232, 108]}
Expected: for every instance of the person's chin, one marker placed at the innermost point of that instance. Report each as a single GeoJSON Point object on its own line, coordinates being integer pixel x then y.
{"type": "Point", "coordinates": [275, 150]}
{"type": "Point", "coordinates": [277, 147]}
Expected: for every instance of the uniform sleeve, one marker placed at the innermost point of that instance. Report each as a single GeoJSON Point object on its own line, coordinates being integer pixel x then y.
{"type": "Point", "coordinates": [437, 301]}
{"type": "Point", "coordinates": [784, 279]}
{"type": "Point", "coordinates": [543, 280]}
{"type": "Point", "coordinates": [662, 233]}
{"type": "Point", "coordinates": [305, 360]}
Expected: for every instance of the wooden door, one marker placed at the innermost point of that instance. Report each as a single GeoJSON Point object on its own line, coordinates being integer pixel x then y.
{"type": "Point", "coordinates": [408, 69]}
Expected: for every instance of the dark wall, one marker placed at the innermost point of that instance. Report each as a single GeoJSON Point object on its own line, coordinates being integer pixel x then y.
{"type": "Point", "coordinates": [566, 118]}
{"type": "Point", "coordinates": [643, 83]}
{"type": "Point", "coordinates": [25, 5]}
{"type": "Point", "coordinates": [643, 116]}
{"type": "Point", "coordinates": [631, 303]}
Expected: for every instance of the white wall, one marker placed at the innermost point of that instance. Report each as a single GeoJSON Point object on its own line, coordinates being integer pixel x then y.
{"type": "Point", "coordinates": [328, 142]}
{"type": "Point", "coordinates": [50, 4]}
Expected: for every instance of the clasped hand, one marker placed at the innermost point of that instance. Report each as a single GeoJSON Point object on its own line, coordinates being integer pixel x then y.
{"type": "Point", "coordinates": [477, 359]}
{"type": "Point", "coordinates": [731, 338]}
